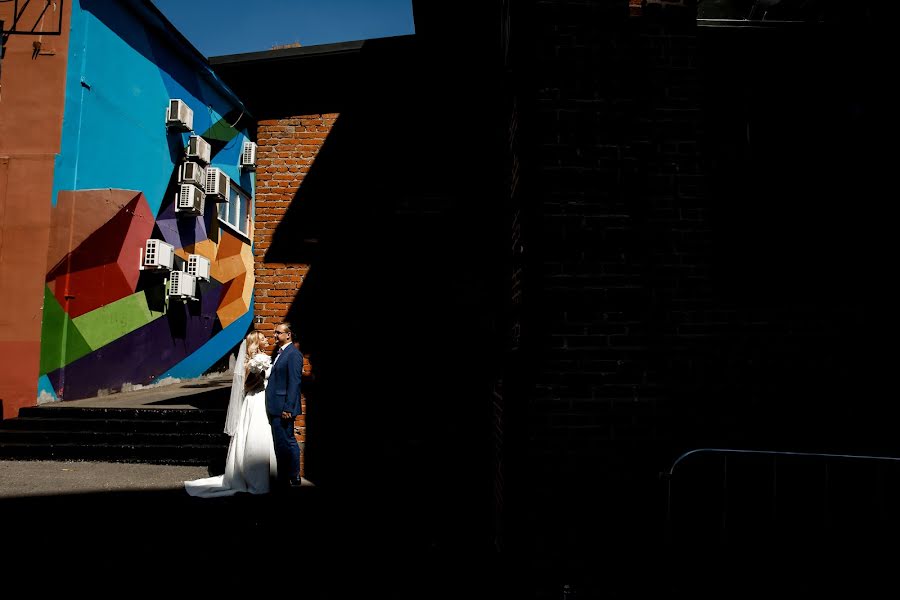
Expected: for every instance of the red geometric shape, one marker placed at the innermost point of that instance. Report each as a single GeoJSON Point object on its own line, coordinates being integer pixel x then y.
{"type": "Point", "coordinates": [78, 214]}
{"type": "Point", "coordinates": [104, 267]}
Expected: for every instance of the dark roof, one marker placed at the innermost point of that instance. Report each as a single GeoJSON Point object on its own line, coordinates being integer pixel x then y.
{"type": "Point", "coordinates": [308, 79]}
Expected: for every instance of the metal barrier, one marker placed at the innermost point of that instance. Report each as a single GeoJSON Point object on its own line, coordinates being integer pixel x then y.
{"type": "Point", "coordinates": [828, 494]}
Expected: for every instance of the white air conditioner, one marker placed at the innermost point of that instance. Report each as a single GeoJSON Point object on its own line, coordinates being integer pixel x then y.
{"type": "Point", "coordinates": [218, 185]}
{"type": "Point", "coordinates": [182, 286]}
{"type": "Point", "coordinates": [157, 255]}
{"type": "Point", "coordinates": [189, 200]}
{"type": "Point", "coordinates": [198, 266]}
{"type": "Point", "coordinates": [248, 156]}
{"type": "Point", "coordinates": [198, 149]}
{"type": "Point", "coordinates": [191, 172]}
{"type": "Point", "coordinates": [179, 116]}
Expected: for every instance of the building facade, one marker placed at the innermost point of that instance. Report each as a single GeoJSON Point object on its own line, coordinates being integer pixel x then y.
{"type": "Point", "coordinates": [113, 166]}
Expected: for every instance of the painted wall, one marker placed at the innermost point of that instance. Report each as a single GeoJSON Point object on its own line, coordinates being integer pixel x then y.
{"type": "Point", "coordinates": [31, 109]}
{"type": "Point", "coordinates": [106, 323]}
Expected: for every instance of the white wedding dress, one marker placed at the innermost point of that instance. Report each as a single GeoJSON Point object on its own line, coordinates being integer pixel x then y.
{"type": "Point", "coordinates": [251, 453]}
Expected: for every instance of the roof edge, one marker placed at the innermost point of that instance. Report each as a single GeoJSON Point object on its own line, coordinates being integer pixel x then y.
{"type": "Point", "coordinates": [336, 49]}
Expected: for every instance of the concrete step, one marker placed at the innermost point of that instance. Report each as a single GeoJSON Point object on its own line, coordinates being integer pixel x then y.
{"type": "Point", "coordinates": [147, 435]}
{"type": "Point", "coordinates": [84, 436]}
{"type": "Point", "coordinates": [131, 424]}
{"type": "Point", "coordinates": [64, 412]}
{"type": "Point", "coordinates": [166, 454]}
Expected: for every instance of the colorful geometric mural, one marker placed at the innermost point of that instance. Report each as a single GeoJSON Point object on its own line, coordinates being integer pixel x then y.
{"type": "Point", "coordinates": [107, 322]}
{"type": "Point", "coordinates": [234, 267]}
{"type": "Point", "coordinates": [108, 255]}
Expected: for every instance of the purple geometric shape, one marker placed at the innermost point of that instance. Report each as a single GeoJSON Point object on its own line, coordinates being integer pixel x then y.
{"type": "Point", "coordinates": [181, 231]}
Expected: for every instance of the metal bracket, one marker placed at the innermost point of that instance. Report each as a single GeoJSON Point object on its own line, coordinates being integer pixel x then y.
{"type": "Point", "coordinates": [19, 12]}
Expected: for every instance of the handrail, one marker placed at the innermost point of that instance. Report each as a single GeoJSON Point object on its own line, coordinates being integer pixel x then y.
{"type": "Point", "coordinates": [774, 453]}
{"type": "Point", "coordinates": [668, 475]}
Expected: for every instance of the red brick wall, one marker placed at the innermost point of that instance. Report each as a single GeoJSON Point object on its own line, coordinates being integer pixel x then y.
{"type": "Point", "coordinates": [286, 151]}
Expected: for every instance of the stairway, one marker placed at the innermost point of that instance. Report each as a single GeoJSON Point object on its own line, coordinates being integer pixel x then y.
{"type": "Point", "coordinates": [179, 430]}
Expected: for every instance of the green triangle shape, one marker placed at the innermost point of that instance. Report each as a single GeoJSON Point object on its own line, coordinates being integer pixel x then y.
{"type": "Point", "coordinates": [220, 130]}
{"type": "Point", "coordinates": [56, 326]}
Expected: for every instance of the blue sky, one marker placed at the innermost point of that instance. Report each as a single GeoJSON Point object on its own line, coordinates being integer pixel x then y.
{"type": "Point", "coordinates": [218, 27]}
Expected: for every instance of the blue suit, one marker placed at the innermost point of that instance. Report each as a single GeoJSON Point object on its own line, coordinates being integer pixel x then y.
{"type": "Point", "coordinates": [283, 395]}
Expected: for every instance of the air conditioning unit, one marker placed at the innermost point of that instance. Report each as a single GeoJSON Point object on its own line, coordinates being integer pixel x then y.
{"type": "Point", "coordinates": [157, 254]}
{"type": "Point", "coordinates": [191, 172]}
{"type": "Point", "coordinates": [182, 286]}
{"type": "Point", "coordinates": [248, 156]}
{"type": "Point", "coordinates": [190, 200]}
{"type": "Point", "coordinates": [198, 266]}
{"type": "Point", "coordinates": [179, 117]}
{"type": "Point", "coordinates": [218, 185]}
{"type": "Point", "coordinates": [198, 149]}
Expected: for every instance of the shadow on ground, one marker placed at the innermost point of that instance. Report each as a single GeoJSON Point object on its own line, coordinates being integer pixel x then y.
{"type": "Point", "coordinates": [166, 540]}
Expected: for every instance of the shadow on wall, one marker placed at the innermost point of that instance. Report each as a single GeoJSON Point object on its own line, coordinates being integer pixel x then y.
{"type": "Point", "coordinates": [799, 242]}
{"type": "Point", "coordinates": [396, 220]}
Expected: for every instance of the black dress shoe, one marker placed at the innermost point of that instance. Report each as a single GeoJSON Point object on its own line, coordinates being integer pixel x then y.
{"type": "Point", "coordinates": [295, 483]}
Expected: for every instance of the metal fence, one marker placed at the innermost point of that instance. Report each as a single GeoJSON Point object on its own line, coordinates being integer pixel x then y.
{"type": "Point", "coordinates": [767, 496]}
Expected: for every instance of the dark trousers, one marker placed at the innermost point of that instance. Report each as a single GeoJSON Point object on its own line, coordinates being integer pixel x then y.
{"type": "Point", "coordinates": [287, 452]}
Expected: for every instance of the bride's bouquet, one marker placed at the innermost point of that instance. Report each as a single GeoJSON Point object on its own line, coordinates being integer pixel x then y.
{"type": "Point", "coordinates": [259, 362]}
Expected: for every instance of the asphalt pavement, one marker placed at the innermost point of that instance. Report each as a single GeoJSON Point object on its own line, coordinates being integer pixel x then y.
{"type": "Point", "coordinates": [129, 528]}
{"type": "Point", "coordinates": [41, 478]}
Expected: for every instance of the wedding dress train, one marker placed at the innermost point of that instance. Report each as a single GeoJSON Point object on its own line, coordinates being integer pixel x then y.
{"type": "Point", "coordinates": [251, 454]}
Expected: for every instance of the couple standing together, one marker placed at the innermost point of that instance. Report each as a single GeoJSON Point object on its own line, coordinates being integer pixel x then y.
{"type": "Point", "coordinates": [265, 398]}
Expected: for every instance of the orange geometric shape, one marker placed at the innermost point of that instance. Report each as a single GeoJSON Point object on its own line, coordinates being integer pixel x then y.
{"type": "Point", "coordinates": [234, 267]}
{"type": "Point", "coordinates": [236, 299]}
{"type": "Point", "coordinates": [205, 248]}
{"type": "Point", "coordinates": [233, 258]}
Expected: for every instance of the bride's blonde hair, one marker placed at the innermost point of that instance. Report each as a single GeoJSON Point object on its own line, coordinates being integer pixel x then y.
{"type": "Point", "coordinates": [254, 340]}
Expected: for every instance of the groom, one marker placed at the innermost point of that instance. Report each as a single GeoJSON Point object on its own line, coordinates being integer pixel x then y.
{"type": "Point", "coordinates": [283, 404]}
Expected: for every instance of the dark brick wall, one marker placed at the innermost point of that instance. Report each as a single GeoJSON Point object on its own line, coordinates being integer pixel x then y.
{"type": "Point", "coordinates": [704, 257]}
{"type": "Point", "coordinates": [379, 243]}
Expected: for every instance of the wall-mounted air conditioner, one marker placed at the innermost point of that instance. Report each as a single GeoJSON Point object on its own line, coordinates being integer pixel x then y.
{"type": "Point", "coordinates": [191, 172]}
{"type": "Point", "coordinates": [157, 254]}
{"type": "Point", "coordinates": [182, 286]}
{"type": "Point", "coordinates": [179, 117]}
{"type": "Point", "coordinates": [198, 149]}
{"type": "Point", "coordinates": [218, 185]}
{"type": "Point", "coordinates": [198, 266]}
{"type": "Point", "coordinates": [189, 200]}
{"type": "Point", "coordinates": [248, 156]}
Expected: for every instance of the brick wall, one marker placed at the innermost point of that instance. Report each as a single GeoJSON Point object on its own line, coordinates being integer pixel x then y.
{"type": "Point", "coordinates": [619, 248]}
{"type": "Point", "coordinates": [697, 286]}
{"type": "Point", "coordinates": [286, 150]}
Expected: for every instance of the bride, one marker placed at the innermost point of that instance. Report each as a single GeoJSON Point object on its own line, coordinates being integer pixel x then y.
{"type": "Point", "coordinates": [251, 453]}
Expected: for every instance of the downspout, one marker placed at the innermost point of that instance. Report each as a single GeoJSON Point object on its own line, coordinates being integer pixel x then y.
{"type": "Point", "coordinates": [67, 293]}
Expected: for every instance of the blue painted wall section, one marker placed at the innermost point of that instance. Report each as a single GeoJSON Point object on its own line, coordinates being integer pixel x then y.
{"type": "Point", "coordinates": [125, 64]}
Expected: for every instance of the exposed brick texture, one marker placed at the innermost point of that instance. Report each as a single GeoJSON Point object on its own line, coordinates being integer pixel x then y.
{"type": "Point", "coordinates": [683, 260]}
{"type": "Point", "coordinates": [286, 150]}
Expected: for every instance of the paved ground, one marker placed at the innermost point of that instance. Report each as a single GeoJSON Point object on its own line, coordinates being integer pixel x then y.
{"type": "Point", "coordinates": [69, 526]}
{"type": "Point", "coordinates": [39, 478]}
{"type": "Point", "coordinates": [158, 396]}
